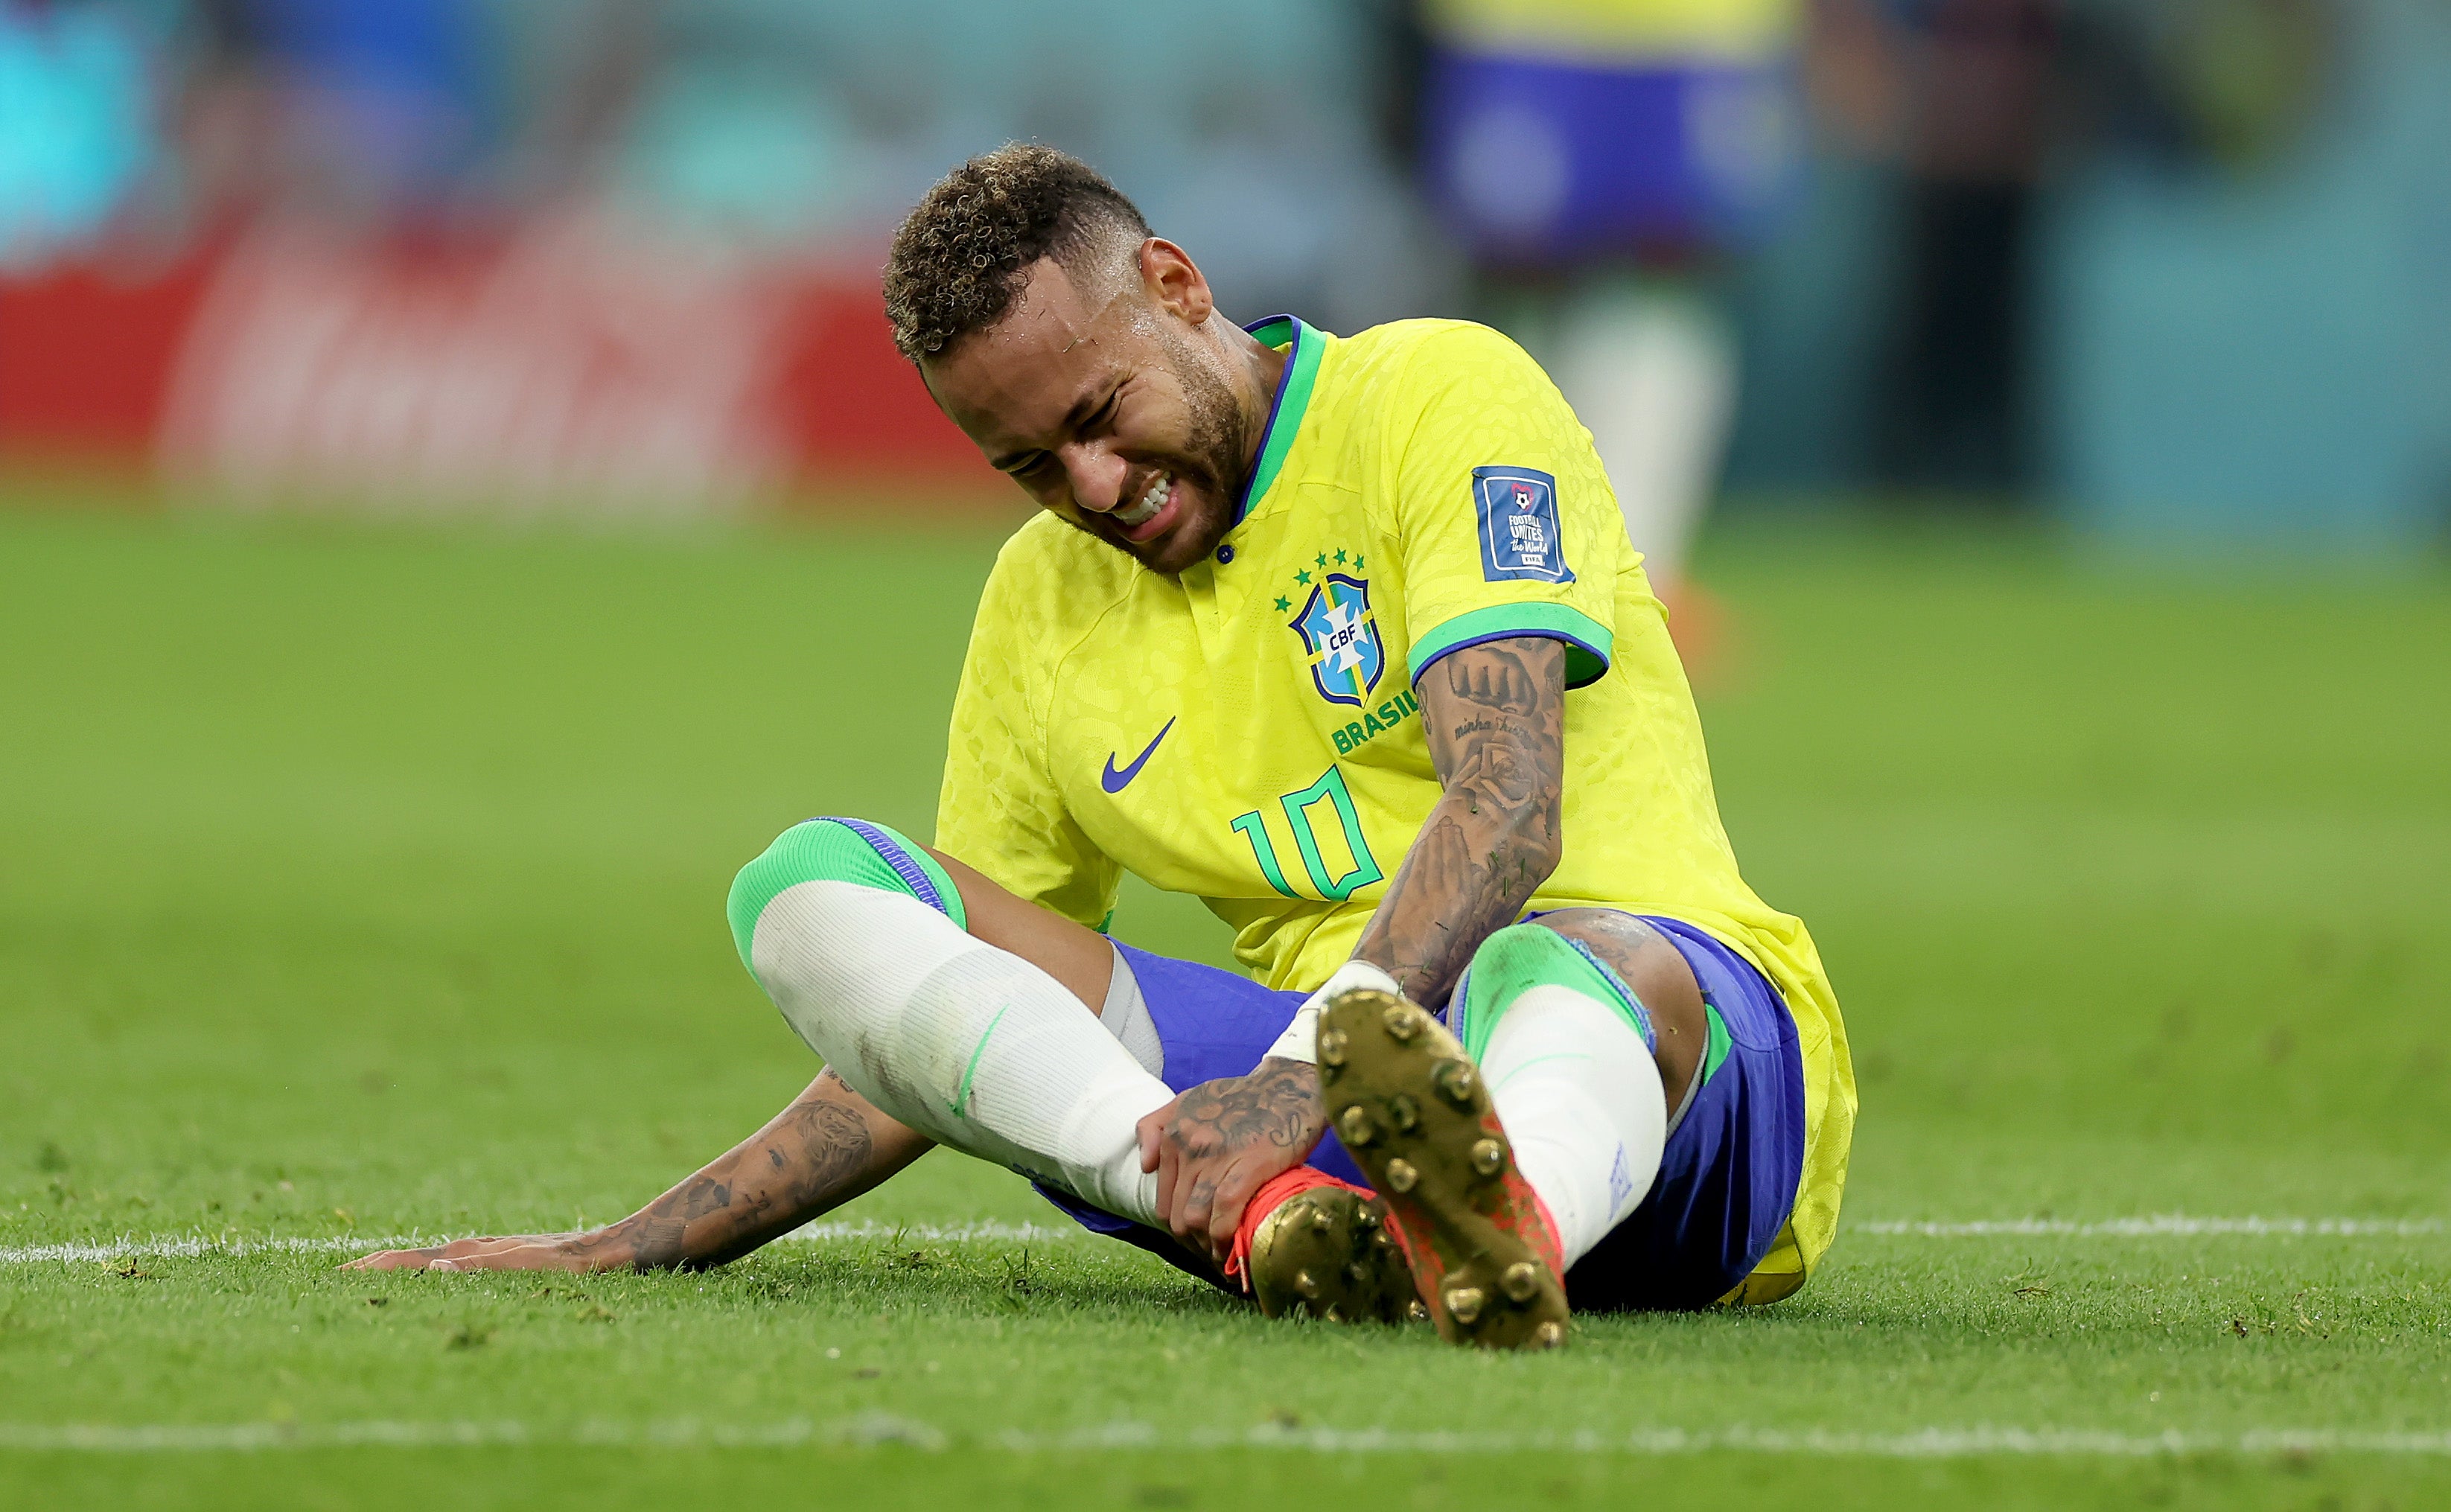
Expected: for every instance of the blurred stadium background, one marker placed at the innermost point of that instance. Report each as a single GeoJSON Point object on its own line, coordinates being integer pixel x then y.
{"type": "Point", "coordinates": [2072, 380]}
{"type": "Point", "coordinates": [2175, 270]}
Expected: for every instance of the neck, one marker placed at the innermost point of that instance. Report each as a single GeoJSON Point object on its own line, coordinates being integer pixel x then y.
{"type": "Point", "coordinates": [1258, 369]}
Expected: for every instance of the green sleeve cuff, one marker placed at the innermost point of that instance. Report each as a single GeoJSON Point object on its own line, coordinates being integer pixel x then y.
{"type": "Point", "coordinates": [1588, 641]}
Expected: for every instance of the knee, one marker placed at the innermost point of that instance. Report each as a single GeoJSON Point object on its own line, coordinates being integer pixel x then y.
{"type": "Point", "coordinates": [833, 850]}
{"type": "Point", "coordinates": [1514, 960]}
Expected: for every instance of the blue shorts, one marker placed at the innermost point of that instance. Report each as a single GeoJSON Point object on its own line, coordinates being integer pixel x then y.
{"type": "Point", "coordinates": [1727, 1178]}
{"type": "Point", "coordinates": [1546, 161]}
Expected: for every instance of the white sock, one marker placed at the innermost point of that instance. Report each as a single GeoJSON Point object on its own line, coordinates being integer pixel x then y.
{"type": "Point", "coordinates": [1652, 374]}
{"type": "Point", "coordinates": [972, 1046]}
{"type": "Point", "coordinates": [1581, 1098]}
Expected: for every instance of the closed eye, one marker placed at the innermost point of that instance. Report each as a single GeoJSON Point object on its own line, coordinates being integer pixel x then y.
{"type": "Point", "coordinates": [1025, 467]}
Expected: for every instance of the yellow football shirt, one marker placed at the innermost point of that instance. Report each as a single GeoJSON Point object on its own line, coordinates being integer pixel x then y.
{"type": "Point", "coordinates": [1626, 30]}
{"type": "Point", "coordinates": [1247, 732]}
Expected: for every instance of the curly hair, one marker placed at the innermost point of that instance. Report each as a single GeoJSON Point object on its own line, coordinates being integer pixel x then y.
{"type": "Point", "coordinates": [964, 252]}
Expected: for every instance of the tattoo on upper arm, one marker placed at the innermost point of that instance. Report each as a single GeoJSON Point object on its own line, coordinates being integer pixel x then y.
{"type": "Point", "coordinates": [1495, 718]}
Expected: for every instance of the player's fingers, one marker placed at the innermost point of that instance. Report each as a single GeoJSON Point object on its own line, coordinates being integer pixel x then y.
{"type": "Point", "coordinates": [488, 1243]}
{"type": "Point", "coordinates": [1190, 1204]}
{"type": "Point", "coordinates": [1234, 1195]}
{"type": "Point", "coordinates": [1151, 1130]}
{"type": "Point", "coordinates": [483, 1252]}
{"type": "Point", "coordinates": [521, 1254]}
{"type": "Point", "coordinates": [1197, 1199]}
{"type": "Point", "coordinates": [1174, 1190]}
{"type": "Point", "coordinates": [1226, 1211]}
{"type": "Point", "coordinates": [1170, 1165]}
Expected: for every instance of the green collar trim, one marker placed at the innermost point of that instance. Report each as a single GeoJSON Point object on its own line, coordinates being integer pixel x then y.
{"type": "Point", "coordinates": [1286, 411]}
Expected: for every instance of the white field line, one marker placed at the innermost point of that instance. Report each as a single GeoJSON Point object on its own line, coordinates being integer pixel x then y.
{"type": "Point", "coordinates": [2160, 1225]}
{"type": "Point", "coordinates": [879, 1428]}
{"type": "Point", "coordinates": [189, 1247]}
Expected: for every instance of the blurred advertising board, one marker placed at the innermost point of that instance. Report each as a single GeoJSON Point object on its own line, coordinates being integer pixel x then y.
{"type": "Point", "coordinates": [564, 367]}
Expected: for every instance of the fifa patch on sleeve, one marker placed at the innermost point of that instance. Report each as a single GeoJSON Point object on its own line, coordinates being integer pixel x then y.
{"type": "Point", "coordinates": [1519, 536]}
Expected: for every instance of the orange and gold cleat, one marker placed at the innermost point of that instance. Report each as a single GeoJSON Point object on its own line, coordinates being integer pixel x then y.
{"type": "Point", "coordinates": [1409, 1104]}
{"type": "Point", "coordinates": [1311, 1245]}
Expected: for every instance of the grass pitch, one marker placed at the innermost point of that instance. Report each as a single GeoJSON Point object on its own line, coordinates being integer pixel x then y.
{"type": "Point", "coordinates": [367, 882]}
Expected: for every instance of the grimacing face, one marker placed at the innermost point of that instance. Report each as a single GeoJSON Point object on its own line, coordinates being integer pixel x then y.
{"type": "Point", "coordinates": [1116, 409]}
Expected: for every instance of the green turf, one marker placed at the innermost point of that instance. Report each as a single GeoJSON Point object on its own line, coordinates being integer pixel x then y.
{"type": "Point", "coordinates": [358, 881]}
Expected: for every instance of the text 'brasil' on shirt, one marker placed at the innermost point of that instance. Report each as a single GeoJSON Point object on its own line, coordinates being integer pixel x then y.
{"type": "Point", "coordinates": [1421, 487]}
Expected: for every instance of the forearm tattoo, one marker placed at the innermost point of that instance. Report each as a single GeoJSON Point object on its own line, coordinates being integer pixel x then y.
{"type": "Point", "coordinates": [785, 1174]}
{"type": "Point", "coordinates": [1495, 715]}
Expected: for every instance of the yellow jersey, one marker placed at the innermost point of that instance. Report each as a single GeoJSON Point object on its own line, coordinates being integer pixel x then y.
{"type": "Point", "coordinates": [1626, 30]}
{"type": "Point", "coordinates": [1246, 732]}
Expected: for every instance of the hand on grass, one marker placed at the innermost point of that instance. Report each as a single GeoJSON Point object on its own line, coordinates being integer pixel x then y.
{"type": "Point", "coordinates": [519, 1252]}
{"type": "Point", "coordinates": [1219, 1143]}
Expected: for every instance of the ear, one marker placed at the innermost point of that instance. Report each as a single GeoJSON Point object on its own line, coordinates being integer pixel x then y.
{"type": "Point", "coordinates": [1174, 282]}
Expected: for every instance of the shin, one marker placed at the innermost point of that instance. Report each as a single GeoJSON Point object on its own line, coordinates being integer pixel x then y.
{"type": "Point", "coordinates": [1565, 1048]}
{"type": "Point", "coordinates": [858, 937]}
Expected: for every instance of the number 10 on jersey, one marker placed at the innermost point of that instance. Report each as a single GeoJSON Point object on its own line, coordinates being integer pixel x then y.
{"type": "Point", "coordinates": [1345, 844]}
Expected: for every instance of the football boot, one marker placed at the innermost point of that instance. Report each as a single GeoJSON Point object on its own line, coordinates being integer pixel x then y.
{"type": "Point", "coordinates": [1409, 1104]}
{"type": "Point", "coordinates": [1325, 1252]}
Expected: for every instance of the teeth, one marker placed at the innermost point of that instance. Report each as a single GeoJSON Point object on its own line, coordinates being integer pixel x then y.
{"type": "Point", "coordinates": [1149, 503]}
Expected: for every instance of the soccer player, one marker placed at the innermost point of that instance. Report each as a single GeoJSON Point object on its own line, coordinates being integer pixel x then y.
{"type": "Point", "coordinates": [1344, 635]}
{"type": "Point", "coordinates": [1599, 159]}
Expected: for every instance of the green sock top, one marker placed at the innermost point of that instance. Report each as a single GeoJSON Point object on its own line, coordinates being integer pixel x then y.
{"type": "Point", "coordinates": [1523, 956]}
{"type": "Point", "coordinates": [838, 851]}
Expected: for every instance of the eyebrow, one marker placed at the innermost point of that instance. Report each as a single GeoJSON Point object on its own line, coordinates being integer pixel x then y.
{"type": "Point", "coordinates": [1101, 389]}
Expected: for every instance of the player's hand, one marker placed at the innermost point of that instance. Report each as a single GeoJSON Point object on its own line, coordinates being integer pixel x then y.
{"type": "Point", "coordinates": [1216, 1145]}
{"type": "Point", "coordinates": [521, 1252]}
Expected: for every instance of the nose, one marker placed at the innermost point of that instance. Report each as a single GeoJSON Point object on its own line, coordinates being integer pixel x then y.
{"type": "Point", "coordinates": [1097, 477]}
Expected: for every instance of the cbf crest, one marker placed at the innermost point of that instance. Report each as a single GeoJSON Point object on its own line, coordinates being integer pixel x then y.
{"type": "Point", "coordinates": [1342, 635]}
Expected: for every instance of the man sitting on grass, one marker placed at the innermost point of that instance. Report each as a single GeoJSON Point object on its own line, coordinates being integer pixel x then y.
{"type": "Point", "coordinates": [1297, 607]}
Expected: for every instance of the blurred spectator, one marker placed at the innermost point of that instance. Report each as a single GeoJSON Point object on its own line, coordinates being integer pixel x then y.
{"type": "Point", "coordinates": [1244, 130]}
{"type": "Point", "coordinates": [384, 103]}
{"type": "Point", "coordinates": [2229, 86]}
{"type": "Point", "coordinates": [1978, 101]}
{"type": "Point", "coordinates": [1978, 90]}
{"type": "Point", "coordinates": [2174, 261]}
{"type": "Point", "coordinates": [1600, 159]}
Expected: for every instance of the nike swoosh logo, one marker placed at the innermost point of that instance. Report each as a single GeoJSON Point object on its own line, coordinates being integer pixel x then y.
{"type": "Point", "coordinates": [1115, 781]}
